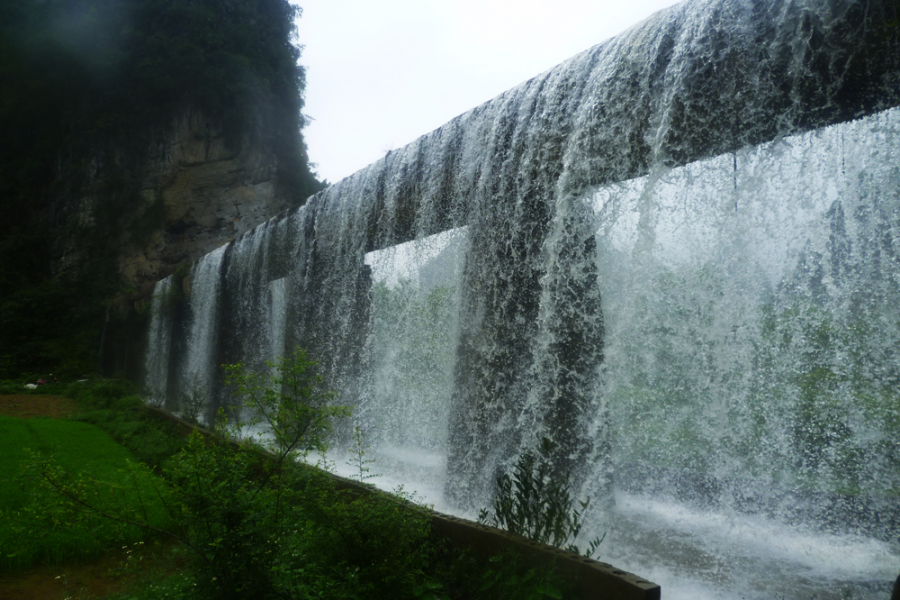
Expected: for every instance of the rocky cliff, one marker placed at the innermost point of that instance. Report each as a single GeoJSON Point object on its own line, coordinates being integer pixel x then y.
{"type": "Point", "coordinates": [135, 136]}
{"type": "Point", "coordinates": [194, 192]}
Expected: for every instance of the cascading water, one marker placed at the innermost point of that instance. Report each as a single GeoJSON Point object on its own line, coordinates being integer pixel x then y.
{"type": "Point", "coordinates": [752, 366]}
{"type": "Point", "coordinates": [415, 304]}
{"type": "Point", "coordinates": [197, 363]}
{"type": "Point", "coordinates": [751, 309]}
{"type": "Point", "coordinates": [676, 255]}
{"type": "Point", "coordinates": [156, 356]}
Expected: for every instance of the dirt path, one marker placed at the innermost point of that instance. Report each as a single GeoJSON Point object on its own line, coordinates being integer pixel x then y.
{"type": "Point", "coordinates": [27, 406]}
{"type": "Point", "coordinates": [84, 580]}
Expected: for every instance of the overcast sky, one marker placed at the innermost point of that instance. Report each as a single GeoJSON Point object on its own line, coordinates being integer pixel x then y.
{"type": "Point", "coordinates": [382, 73]}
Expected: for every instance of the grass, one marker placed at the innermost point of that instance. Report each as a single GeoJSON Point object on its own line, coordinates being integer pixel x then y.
{"type": "Point", "coordinates": [151, 441]}
{"type": "Point", "coordinates": [309, 539]}
{"type": "Point", "coordinates": [36, 527]}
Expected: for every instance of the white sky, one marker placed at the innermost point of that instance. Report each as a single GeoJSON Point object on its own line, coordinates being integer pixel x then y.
{"type": "Point", "coordinates": [382, 73]}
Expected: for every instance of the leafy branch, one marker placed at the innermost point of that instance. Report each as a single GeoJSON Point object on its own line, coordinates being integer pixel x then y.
{"type": "Point", "coordinates": [289, 401]}
{"type": "Point", "coordinates": [358, 458]}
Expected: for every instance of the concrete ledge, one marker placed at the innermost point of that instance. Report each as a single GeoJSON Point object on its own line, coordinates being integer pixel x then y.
{"type": "Point", "coordinates": [595, 580]}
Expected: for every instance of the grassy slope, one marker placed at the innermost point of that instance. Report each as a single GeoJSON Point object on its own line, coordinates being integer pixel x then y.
{"type": "Point", "coordinates": [35, 526]}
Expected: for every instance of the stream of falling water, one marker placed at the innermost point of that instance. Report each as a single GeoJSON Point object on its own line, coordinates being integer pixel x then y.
{"type": "Point", "coordinates": [731, 288]}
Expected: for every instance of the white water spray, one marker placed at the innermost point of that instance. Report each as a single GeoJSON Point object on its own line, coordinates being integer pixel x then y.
{"type": "Point", "coordinates": [677, 256]}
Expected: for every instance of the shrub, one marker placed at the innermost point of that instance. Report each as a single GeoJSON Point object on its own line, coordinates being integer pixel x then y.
{"type": "Point", "coordinates": [536, 503]}
{"type": "Point", "coordinates": [289, 401]}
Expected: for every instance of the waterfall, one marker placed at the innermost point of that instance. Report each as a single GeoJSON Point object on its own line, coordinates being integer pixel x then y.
{"type": "Point", "coordinates": [675, 254]}
{"type": "Point", "coordinates": [415, 306]}
{"type": "Point", "coordinates": [156, 356]}
{"type": "Point", "coordinates": [751, 370]}
{"type": "Point", "coordinates": [198, 367]}
{"type": "Point", "coordinates": [754, 340]}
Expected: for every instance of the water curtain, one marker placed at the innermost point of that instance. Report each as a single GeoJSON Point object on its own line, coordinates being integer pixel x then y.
{"type": "Point", "coordinates": [675, 255]}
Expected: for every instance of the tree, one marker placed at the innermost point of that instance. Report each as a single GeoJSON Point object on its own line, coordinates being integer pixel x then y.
{"type": "Point", "coordinates": [289, 401]}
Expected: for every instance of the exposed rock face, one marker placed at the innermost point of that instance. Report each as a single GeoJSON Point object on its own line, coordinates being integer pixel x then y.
{"type": "Point", "coordinates": [196, 193]}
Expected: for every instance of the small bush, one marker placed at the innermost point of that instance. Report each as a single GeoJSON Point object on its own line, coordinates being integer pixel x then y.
{"type": "Point", "coordinates": [103, 393]}
{"type": "Point", "coordinates": [288, 401]}
{"type": "Point", "coordinates": [536, 502]}
{"type": "Point", "coordinates": [358, 461]}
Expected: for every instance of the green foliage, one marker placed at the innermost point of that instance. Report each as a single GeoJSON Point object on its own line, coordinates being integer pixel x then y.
{"type": "Point", "coordinates": [161, 586]}
{"type": "Point", "coordinates": [796, 384]}
{"type": "Point", "coordinates": [508, 578]}
{"type": "Point", "coordinates": [224, 516]}
{"type": "Point", "coordinates": [253, 525]}
{"type": "Point", "coordinates": [259, 527]}
{"type": "Point", "coordinates": [289, 401]}
{"type": "Point", "coordinates": [256, 528]}
{"type": "Point", "coordinates": [822, 367]}
{"type": "Point", "coordinates": [102, 393]}
{"type": "Point", "coordinates": [150, 441]}
{"type": "Point", "coordinates": [358, 460]}
{"type": "Point", "coordinates": [504, 576]}
{"type": "Point", "coordinates": [111, 405]}
{"type": "Point", "coordinates": [372, 545]}
{"type": "Point", "coordinates": [193, 401]}
{"type": "Point", "coordinates": [37, 524]}
{"type": "Point", "coordinates": [536, 502]}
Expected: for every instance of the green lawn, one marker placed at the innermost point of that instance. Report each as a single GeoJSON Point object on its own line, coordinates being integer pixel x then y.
{"type": "Point", "coordinates": [36, 525]}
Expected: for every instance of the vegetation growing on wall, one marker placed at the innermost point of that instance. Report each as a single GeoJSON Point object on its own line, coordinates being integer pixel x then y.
{"type": "Point", "coordinates": [88, 86]}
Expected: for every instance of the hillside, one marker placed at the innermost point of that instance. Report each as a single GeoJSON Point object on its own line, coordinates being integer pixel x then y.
{"type": "Point", "coordinates": [137, 135]}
